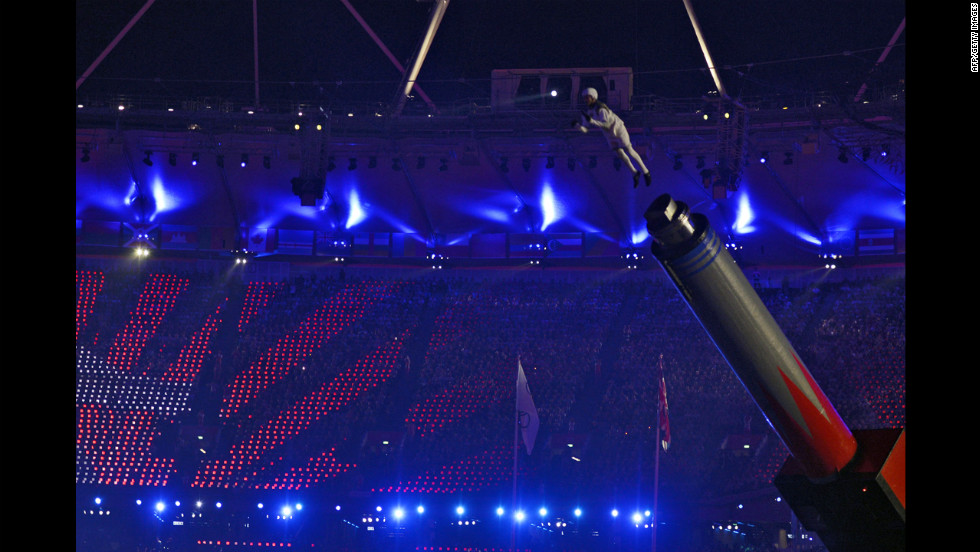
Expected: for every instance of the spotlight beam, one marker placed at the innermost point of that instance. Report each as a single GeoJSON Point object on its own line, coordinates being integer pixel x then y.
{"type": "Point", "coordinates": [806, 216]}
{"type": "Point", "coordinates": [231, 202]}
{"type": "Point", "coordinates": [136, 180]}
{"type": "Point", "coordinates": [624, 231]}
{"type": "Point", "coordinates": [418, 200]}
{"type": "Point", "coordinates": [525, 206]}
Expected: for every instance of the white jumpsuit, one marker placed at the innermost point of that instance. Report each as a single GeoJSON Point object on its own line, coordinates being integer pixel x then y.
{"type": "Point", "coordinates": [599, 115]}
{"type": "Point", "coordinates": [610, 124]}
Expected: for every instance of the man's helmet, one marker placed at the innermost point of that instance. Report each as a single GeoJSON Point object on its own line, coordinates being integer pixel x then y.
{"type": "Point", "coordinates": [590, 92]}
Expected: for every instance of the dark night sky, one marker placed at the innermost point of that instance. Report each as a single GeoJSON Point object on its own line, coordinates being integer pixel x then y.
{"type": "Point", "coordinates": [310, 48]}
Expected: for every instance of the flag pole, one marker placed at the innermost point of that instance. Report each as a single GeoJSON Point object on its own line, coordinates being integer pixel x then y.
{"type": "Point", "coordinates": [513, 496]}
{"type": "Point", "coordinates": [656, 463]}
{"type": "Point", "coordinates": [656, 482]}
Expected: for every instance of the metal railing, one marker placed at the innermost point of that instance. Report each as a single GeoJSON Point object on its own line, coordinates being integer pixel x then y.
{"type": "Point", "coordinates": [460, 107]}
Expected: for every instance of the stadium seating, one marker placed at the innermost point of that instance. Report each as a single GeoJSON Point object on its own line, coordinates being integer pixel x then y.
{"type": "Point", "coordinates": [292, 373]}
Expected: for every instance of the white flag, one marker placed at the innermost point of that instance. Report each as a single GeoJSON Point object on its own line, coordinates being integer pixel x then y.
{"type": "Point", "coordinates": [527, 415]}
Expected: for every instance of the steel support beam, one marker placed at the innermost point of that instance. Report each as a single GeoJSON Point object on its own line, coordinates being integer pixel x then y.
{"type": "Point", "coordinates": [112, 44]}
{"type": "Point", "coordinates": [377, 40]}
{"type": "Point", "coordinates": [408, 80]}
{"type": "Point", "coordinates": [704, 49]}
{"type": "Point", "coordinates": [881, 59]}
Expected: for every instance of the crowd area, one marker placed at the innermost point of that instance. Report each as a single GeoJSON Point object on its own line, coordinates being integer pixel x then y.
{"type": "Point", "coordinates": [591, 347]}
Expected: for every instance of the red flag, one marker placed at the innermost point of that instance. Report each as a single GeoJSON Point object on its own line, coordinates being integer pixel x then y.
{"type": "Point", "coordinates": [664, 420]}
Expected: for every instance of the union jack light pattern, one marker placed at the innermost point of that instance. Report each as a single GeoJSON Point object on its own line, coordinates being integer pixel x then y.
{"type": "Point", "coordinates": [208, 381]}
{"type": "Point", "coordinates": [269, 394]}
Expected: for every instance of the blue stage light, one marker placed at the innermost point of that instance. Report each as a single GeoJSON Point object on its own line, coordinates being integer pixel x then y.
{"type": "Point", "coordinates": [356, 213]}
{"type": "Point", "coordinates": [550, 210]}
{"type": "Point", "coordinates": [744, 216]}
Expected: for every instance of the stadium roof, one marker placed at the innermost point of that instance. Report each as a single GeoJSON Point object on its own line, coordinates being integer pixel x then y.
{"type": "Point", "coordinates": [821, 85]}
